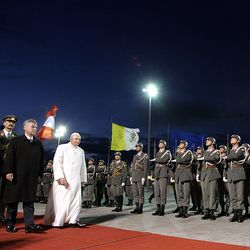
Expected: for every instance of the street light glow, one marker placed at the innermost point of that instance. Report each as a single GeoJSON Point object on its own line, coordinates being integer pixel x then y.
{"type": "Point", "coordinates": [151, 90]}
{"type": "Point", "coordinates": [60, 131]}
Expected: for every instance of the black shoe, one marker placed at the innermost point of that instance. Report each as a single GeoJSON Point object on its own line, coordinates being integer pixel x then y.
{"type": "Point", "coordinates": [206, 215]}
{"type": "Point", "coordinates": [77, 224]}
{"type": "Point", "coordinates": [11, 229]}
{"type": "Point", "coordinates": [135, 211]}
{"type": "Point", "coordinates": [193, 208]}
{"type": "Point", "coordinates": [2, 219]}
{"type": "Point", "coordinates": [240, 217]}
{"type": "Point", "coordinates": [176, 210]}
{"type": "Point", "coordinates": [157, 211]}
{"type": "Point", "coordinates": [179, 215]}
{"type": "Point", "coordinates": [140, 210]}
{"type": "Point", "coordinates": [212, 216]}
{"type": "Point", "coordinates": [33, 229]}
{"type": "Point", "coordinates": [235, 216]}
{"type": "Point", "coordinates": [162, 210]}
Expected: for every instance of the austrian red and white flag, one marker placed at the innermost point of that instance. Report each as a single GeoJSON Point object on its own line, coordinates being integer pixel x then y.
{"type": "Point", "coordinates": [47, 130]}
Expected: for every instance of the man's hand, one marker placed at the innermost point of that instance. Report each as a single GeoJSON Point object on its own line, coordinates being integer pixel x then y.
{"type": "Point", "coordinates": [130, 180]}
{"type": "Point", "coordinates": [172, 180]}
{"type": "Point", "coordinates": [63, 181]}
{"type": "Point", "coordinates": [198, 178]}
{"type": "Point", "coordinates": [9, 176]}
{"type": "Point", "coordinates": [224, 179]}
{"type": "Point", "coordinates": [123, 184]}
{"type": "Point", "coordinates": [142, 181]}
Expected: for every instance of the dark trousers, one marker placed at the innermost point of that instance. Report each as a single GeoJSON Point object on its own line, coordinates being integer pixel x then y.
{"type": "Point", "coordinates": [3, 185]}
{"type": "Point", "coordinates": [100, 190]}
{"type": "Point", "coordinates": [28, 210]}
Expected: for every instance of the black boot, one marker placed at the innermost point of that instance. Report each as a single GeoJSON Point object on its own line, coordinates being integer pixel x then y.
{"type": "Point", "coordinates": [199, 211]}
{"type": "Point", "coordinates": [212, 216]}
{"type": "Point", "coordinates": [226, 212]}
{"type": "Point", "coordinates": [184, 213]}
{"type": "Point", "coordinates": [120, 203]}
{"type": "Point", "coordinates": [140, 210]}
{"type": "Point", "coordinates": [240, 216]}
{"type": "Point", "coordinates": [206, 215]}
{"type": "Point", "coordinates": [84, 204]}
{"type": "Point", "coordinates": [193, 208]}
{"type": "Point", "coordinates": [235, 216]}
{"type": "Point", "coordinates": [176, 210]}
{"type": "Point", "coordinates": [157, 211]}
{"type": "Point", "coordinates": [116, 204]}
{"type": "Point", "coordinates": [130, 203]}
{"type": "Point", "coordinates": [162, 212]}
{"type": "Point", "coordinates": [89, 204]}
{"type": "Point", "coordinates": [179, 215]}
{"type": "Point", "coordinates": [135, 211]}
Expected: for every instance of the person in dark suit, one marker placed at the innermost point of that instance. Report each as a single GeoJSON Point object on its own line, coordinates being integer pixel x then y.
{"type": "Point", "coordinates": [23, 164]}
{"type": "Point", "coordinates": [6, 134]}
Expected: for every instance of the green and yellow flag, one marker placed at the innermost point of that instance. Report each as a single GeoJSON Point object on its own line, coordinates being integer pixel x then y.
{"type": "Point", "coordinates": [124, 138]}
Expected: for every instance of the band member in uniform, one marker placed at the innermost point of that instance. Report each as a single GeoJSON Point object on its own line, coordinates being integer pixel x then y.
{"type": "Point", "coordinates": [109, 187]}
{"type": "Point", "coordinates": [89, 187]}
{"type": "Point", "coordinates": [6, 135]}
{"type": "Point", "coordinates": [47, 181]}
{"type": "Point", "coordinates": [161, 173]}
{"type": "Point", "coordinates": [236, 177]}
{"type": "Point", "coordinates": [183, 177]}
{"type": "Point", "coordinates": [119, 175]}
{"type": "Point", "coordinates": [223, 191]}
{"type": "Point", "coordinates": [140, 166]}
{"type": "Point", "coordinates": [100, 181]}
{"type": "Point", "coordinates": [209, 175]}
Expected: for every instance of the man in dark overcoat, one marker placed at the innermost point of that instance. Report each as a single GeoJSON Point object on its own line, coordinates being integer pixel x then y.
{"type": "Point", "coordinates": [23, 164]}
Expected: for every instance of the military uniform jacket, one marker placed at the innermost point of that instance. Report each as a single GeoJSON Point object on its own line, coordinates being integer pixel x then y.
{"type": "Point", "coordinates": [109, 176]}
{"type": "Point", "coordinates": [47, 176]}
{"type": "Point", "coordinates": [209, 165]}
{"type": "Point", "coordinates": [91, 174]}
{"type": "Point", "coordinates": [183, 166]}
{"type": "Point", "coordinates": [140, 166]}
{"type": "Point", "coordinates": [119, 172]}
{"type": "Point", "coordinates": [236, 159]}
{"type": "Point", "coordinates": [4, 141]}
{"type": "Point", "coordinates": [100, 173]}
{"type": "Point", "coordinates": [162, 160]}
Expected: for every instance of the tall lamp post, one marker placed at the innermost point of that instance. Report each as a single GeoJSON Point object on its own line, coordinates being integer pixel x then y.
{"type": "Point", "coordinates": [151, 91]}
{"type": "Point", "coordinates": [60, 131]}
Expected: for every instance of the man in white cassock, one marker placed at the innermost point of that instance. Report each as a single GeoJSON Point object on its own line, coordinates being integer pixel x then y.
{"type": "Point", "coordinates": [69, 175]}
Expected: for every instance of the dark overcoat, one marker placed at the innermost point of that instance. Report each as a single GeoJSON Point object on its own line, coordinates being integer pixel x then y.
{"type": "Point", "coordinates": [25, 160]}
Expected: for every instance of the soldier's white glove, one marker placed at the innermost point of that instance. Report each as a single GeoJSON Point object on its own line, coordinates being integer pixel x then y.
{"type": "Point", "coordinates": [172, 180]}
{"type": "Point", "coordinates": [106, 185]}
{"type": "Point", "coordinates": [198, 178]}
{"type": "Point", "coordinates": [142, 181]}
{"type": "Point", "coordinates": [41, 183]}
{"type": "Point", "coordinates": [123, 184]}
{"type": "Point", "coordinates": [224, 179]}
{"type": "Point", "coordinates": [130, 180]}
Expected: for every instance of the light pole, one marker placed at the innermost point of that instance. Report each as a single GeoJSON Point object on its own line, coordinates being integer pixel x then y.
{"type": "Point", "coordinates": [60, 131]}
{"type": "Point", "coordinates": [152, 91]}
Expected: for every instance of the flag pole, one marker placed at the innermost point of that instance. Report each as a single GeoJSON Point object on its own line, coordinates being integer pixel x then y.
{"type": "Point", "coordinates": [109, 145]}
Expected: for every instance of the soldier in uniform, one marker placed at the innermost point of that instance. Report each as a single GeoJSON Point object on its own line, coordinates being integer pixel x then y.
{"type": "Point", "coordinates": [223, 191]}
{"type": "Point", "coordinates": [140, 166]}
{"type": "Point", "coordinates": [236, 177]}
{"type": "Point", "coordinates": [209, 175]}
{"type": "Point", "coordinates": [89, 187]}
{"type": "Point", "coordinates": [161, 173]}
{"type": "Point", "coordinates": [183, 177]}
{"type": "Point", "coordinates": [109, 187]}
{"type": "Point", "coordinates": [195, 185]}
{"type": "Point", "coordinates": [100, 181]}
{"type": "Point", "coordinates": [128, 187]}
{"type": "Point", "coordinates": [47, 180]}
{"type": "Point", "coordinates": [247, 182]}
{"type": "Point", "coordinates": [119, 176]}
{"type": "Point", "coordinates": [6, 135]}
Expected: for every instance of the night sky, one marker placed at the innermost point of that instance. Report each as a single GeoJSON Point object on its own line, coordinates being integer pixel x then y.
{"type": "Point", "coordinates": [93, 61]}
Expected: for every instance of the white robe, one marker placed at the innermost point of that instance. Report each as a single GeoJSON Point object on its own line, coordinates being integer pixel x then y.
{"type": "Point", "coordinates": [69, 163]}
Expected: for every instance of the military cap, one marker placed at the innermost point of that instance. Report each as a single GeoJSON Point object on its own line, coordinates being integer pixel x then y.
{"type": "Point", "coordinates": [184, 142]}
{"type": "Point", "coordinates": [91, 159]}
{"type": "Point", "coordinates": [139, 144]}
{"type": "Point", "coordinates": [118, 153]}
{"type": "Point", "coordinates": [237, 137]}
{"type": "Point", "coordinates": [163, 141]}
{"type": "Point", "coordinates": [50, 161]}
{"type": "Point", "coordinates": [10, 118]}
{"type": "Point", "coordinates": [223, 146]}
{"type": "Point", "coordinates": [199, 147]}
{"type": "Point", "coordinates": [212, 139]}
{"type": "Point", "coordinates": [246, 145]}
{"type": "Point", "coordinates": [101, 161]}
